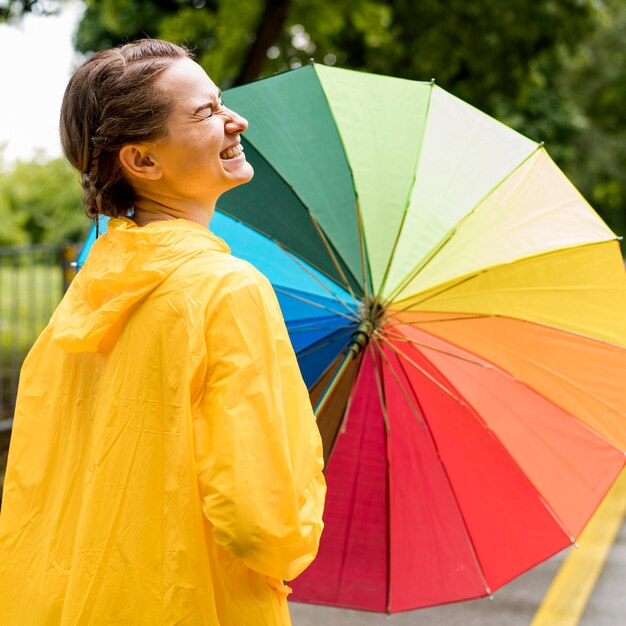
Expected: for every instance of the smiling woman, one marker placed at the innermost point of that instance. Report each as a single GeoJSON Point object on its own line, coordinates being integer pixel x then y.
{"type": "Point", "coordinates": [165, 465]}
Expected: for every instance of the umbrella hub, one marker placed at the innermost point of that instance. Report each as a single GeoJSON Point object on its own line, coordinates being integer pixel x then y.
{"type": "Point", "coordinates": [371, 315]}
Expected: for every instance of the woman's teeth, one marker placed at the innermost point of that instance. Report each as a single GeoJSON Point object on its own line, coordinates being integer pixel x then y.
{"type": "Point", "coordinates": [231, 153]}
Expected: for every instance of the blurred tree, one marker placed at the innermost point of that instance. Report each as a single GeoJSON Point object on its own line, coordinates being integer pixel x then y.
{"type": "Point", "coordinates": [485, 48]}
{"type": "Point", "coordinates": [15, 9]}
{"type": "Point", "coordinates": [595, 84]}
{"type": "Point", "coordinates": [40, 202]}
{"type": "Point", "coordinates": [522, 62]}
{"type": "Point", "coordinates": [548, 68]}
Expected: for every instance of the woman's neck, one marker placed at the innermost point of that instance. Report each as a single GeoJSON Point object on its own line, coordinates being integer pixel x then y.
{"type": "Point", "coordinates": [148, 210]}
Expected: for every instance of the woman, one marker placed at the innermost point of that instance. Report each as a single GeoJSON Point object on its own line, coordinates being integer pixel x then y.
{"type": "Point", "coordinates": [165, 466]}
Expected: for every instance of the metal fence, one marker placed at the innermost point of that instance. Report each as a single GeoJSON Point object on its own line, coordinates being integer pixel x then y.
{"type": "Point", "coordinates": [32, 282]}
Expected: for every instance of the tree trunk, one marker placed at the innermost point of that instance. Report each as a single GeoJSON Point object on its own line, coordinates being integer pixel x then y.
{"type": "Point", "coordinates": [270, 26]}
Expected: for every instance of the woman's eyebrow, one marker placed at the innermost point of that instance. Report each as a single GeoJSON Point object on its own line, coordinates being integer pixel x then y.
{"type": "Point", "coordinates": [208, 105]}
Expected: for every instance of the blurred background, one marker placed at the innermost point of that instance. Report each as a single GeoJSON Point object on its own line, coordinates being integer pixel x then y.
{"type": "Point", "coordinates": [555, 70]}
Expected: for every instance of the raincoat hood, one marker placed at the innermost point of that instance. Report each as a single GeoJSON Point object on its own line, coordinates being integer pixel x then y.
{"type": "Point", "coordinates": [130, 262]}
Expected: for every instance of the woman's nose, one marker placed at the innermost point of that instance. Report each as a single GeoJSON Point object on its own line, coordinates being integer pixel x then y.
{"type": "Point", "coordinates": [235, 123]}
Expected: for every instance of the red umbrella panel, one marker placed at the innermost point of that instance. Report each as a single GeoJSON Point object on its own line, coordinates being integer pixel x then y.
{"type": "Point", "coordinates": [444, 487]}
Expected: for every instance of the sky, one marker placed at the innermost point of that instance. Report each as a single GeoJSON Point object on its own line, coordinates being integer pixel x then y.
{"type": "Point", "coordinates": [36, 60]}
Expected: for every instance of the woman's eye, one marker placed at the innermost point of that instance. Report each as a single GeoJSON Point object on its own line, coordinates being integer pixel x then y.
{"type": "Point", "coordinates": [210, 109]}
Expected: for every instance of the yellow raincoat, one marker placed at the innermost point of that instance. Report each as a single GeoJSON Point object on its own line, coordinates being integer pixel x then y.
{"type": "Point", "coordinates": [165, 466]}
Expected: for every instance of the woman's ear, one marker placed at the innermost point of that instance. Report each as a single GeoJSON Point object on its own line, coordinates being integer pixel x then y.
{"type": "Point", "coordinates": [138, 161]}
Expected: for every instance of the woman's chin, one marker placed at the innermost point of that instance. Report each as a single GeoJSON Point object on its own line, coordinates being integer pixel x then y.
{"type": "Point", "coordinates": [242, 173]}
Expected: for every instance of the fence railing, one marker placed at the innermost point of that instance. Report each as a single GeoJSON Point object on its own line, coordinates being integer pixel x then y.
{"type": "Point", "coordinates": [32, 282]}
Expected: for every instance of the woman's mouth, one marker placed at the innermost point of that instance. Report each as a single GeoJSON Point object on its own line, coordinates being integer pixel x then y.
{"type": "Point", "coordinates": [232, 152]}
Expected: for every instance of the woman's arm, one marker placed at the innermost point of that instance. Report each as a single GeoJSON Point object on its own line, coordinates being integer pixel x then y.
{"type": "Point", "coordinates": [258, 449]}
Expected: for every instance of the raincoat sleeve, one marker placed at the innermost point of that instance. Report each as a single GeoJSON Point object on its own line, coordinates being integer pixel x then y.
{"type": "Point", "coordinates": [258, 449]}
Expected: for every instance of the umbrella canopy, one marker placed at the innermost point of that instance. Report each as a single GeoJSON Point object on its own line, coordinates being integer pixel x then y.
{"type": "Point", "coordinates": [459, 315]}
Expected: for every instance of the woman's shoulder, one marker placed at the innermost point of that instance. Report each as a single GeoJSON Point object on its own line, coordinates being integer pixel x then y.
{"type": "Point", "coordinates": [223, 267]}
{"type": "Point", "coordinates": [223, 277]}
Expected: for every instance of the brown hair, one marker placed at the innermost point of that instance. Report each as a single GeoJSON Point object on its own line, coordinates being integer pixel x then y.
{"type": "Point", "coordinates": [111, 101]}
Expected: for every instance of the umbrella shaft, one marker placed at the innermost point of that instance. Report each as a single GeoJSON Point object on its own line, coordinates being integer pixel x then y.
{"type": "Point", "coordinates": [359, 341]}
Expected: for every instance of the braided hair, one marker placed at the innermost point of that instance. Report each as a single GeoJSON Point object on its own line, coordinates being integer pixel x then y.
{"type": "Point", "coordinates": [111, 101]}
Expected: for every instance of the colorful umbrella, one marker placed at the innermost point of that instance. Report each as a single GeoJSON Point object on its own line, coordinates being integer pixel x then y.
{"type": "Point", "coordinates": [458, 311]}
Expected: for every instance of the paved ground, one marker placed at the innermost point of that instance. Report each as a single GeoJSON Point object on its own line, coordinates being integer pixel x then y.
{"type": "Point", "coordinates": [607, 605]}
{"type": "Point", "coordinates": [513, 605]}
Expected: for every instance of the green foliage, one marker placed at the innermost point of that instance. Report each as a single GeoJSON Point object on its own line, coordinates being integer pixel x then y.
{"type": "Point", "coordinates": [496, 55]}
{"type": "Point", "coordinates": [553, 69]}
{"type": "Point", "coordinates": [35, 288]}
{"type": "Point", "coordinates": [40, 202]}
{"type": "Point", "coordinates": [13, 10]}
{"type": "Point", "coordinates": [219, 32]}
{"type": "Point", "coordinates": [595, 82]}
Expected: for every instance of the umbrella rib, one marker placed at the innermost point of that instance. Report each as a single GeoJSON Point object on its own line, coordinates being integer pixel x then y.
{"type": "Point", "coordinates": [314, 277]}
{"type": "Point", "coordinates": [383, 406]}
{"type": "Point", "coordinates": [316, 328]}
{"type": "Point", "coordinates": [329, 384]}
{"type": "Point", "coordinates": [314, 221]}
{"type": "Point", "coordinates": [470, 408]}
{"type": "Point", "coordinates": [333, 258]}
{"type": "Point", "coordinates": [553, 372]}
{"type": "Point", "coordinates": [474, 552]}
{"type": "Point", "coordinates": [325, 371]}
{"type": "Point", "coordinates": [344, 418]}
{"type": "Point", "coordinates": [379, 389]}
{"type": "Point", "coordinates": [435, 321]}
{"type": "Point", "coordinates": [414, 303]}
{"type": "Point", "coordinates": [313, 303]}
{"type": "Point", "coordinates": [408, 201]}
{"type": "Point", "coordinates": [469, 316]}
{"type": "Point", "coordinates": [569, 383]}
{"type": "Point", "coordinates": [439, 350]}
{"type": "Point", "coordinates": [359, 221]}
{"type": "Point", "coordinates": [424, 373]}
{"type": "Point", "coordinates": [564, 330]}
{"type": "Point", "coordinates": [491, 366]}
{"type": "Point", "coordinates": [364, 271]}
{"type": "Point", "coordinates": [410, 402]}
{"type": "Point", "coordinates": [452, 231]}
{"type": "Point", "coordinates": [281, 245]}
{"type": "Point", "coordinates": [318, 345]}
{"type": "Point", "coordinates": [350, 516]}
{"type": "Point", "coordinates": [548, 442]}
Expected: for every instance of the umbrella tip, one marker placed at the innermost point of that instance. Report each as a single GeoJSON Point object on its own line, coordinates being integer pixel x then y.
{"type": "Point", "coordinates": [542, 144]}
{"type": "Point", "coordinates": [432, 81]}
{"type": "Point", "coordinates": [311, 61]}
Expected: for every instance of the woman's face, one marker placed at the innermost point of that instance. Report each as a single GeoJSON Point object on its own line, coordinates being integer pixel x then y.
{"type": "Point", "coordinates": [201, 155]}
